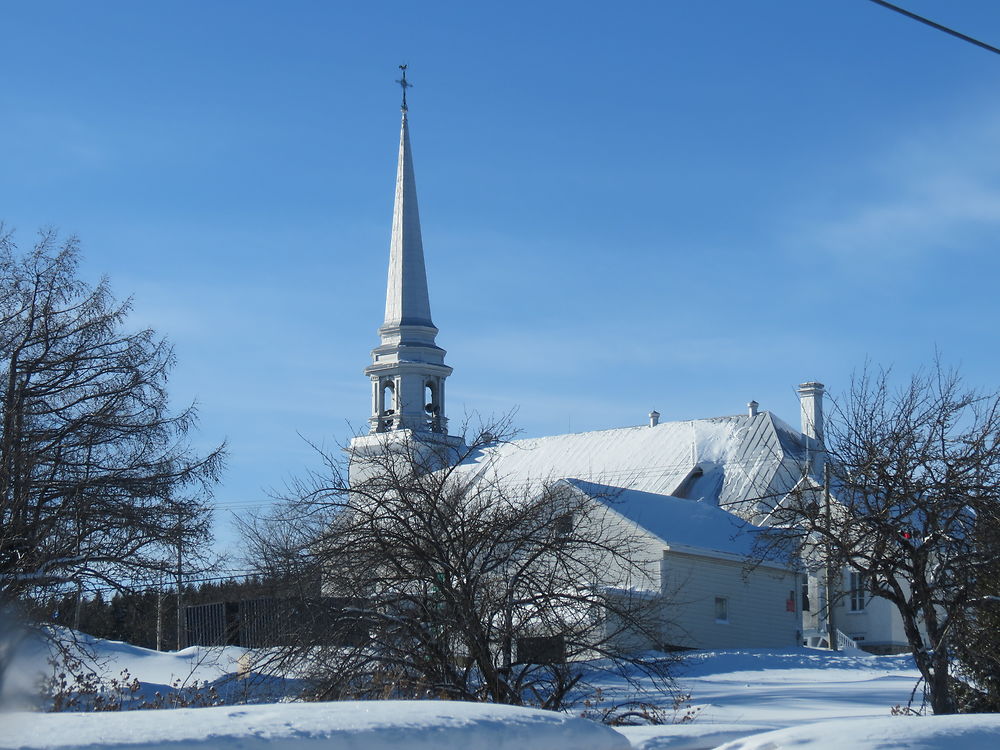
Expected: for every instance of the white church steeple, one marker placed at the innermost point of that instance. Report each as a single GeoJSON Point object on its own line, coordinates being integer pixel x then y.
{"type": "Point", "coordinates": [407, 369]}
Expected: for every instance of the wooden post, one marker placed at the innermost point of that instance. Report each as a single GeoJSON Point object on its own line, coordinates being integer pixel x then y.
{"type": "Point", "coordinates": [180, 619]}
{"type": "Point", "coordinates": [159, 615]}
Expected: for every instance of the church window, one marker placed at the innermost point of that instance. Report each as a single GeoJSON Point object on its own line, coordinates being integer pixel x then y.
{"type": "Point", "coordinates": [857, 592]}
{"type": "Point", "coordinates": [430, 399]}
{"type": "Point", "coordinates": [564, 525]}
{"type": "Point", "coordinates": [721, 609]}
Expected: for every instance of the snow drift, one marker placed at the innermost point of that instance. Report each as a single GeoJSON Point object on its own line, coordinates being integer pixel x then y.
{"type": "Point", "coordinates": [348, 725]}
{"type": "Point", "coordinates": [968, 732]}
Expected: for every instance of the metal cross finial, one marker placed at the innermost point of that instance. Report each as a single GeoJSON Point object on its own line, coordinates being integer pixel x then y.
{"type": "Point", "coordinates": [404, 84]}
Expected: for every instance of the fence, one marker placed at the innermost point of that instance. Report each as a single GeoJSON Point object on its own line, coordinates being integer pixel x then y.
{"type": "Point", "coordinates": [273, 621]}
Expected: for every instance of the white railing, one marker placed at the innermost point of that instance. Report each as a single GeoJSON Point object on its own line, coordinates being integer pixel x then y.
{"type": "Point", "coordinates": [816, 638]}
{"type": "Point", "coordinates": [844, 641]}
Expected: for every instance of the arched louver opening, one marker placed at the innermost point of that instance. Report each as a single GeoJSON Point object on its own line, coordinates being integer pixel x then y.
{"type": "Point", "coordinates": [387, 405]}
{"type": "Point", "coordinates": [432, 406]}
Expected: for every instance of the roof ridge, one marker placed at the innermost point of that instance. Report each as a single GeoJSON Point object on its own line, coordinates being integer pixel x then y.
{"type": "Point", "coordinates": [722, 418]}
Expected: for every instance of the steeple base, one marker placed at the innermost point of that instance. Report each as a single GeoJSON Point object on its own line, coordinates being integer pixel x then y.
{"type": "Point", "coordinates": [407, 450]}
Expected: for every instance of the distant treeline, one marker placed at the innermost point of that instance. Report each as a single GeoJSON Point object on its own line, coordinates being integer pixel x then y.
{"type": "Point", "coordinates": [131, 616]}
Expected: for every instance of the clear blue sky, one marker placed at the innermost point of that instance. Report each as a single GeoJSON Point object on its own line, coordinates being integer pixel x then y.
{"type": "Point", "coordinates": [670, 205]}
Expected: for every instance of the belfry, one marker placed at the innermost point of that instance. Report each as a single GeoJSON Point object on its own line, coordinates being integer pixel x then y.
{"type": "Point", "coordinates": [407, 371]}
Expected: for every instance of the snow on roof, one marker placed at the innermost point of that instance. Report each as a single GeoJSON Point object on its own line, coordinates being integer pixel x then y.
{"type": "Point", "coordinates": [728, 461]}
{"type": "Point", "coordinates": [653, 459]}
{"type": "Point", "coordinates": [674, 520]}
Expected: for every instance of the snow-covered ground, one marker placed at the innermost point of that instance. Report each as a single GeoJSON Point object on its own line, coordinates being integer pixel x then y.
{"type": "Point", "coordinates": [372, 725]}
{"type": "Point", "coordinates": [753, 699]}
{"type": "Point", "coordinates": [157, 671]}
{"type": "Point", "coordinates": [742, 692]}
{"type": "Point", "coordinates": [975, 732]}
{"type": "Point", "coordinates": [784, 688]}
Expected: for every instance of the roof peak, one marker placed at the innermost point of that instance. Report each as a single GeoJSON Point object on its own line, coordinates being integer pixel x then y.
{"type": "Point", "coordinates": [404, 84]}
{"type": "Point", "coordinates": [643, 427]}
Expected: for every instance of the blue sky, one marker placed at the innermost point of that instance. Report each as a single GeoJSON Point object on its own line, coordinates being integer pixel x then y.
{"type": "Point", "coordinates": [670, 205]}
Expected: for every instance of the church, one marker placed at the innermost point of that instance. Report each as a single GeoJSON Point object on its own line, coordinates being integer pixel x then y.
{"type": "Point", "coordinates": [693, 491]}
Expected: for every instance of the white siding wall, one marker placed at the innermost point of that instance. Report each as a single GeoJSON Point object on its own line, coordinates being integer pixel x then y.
{"type": "Point", "coordinates": [877, 626]}
{"type": "Point", "coordinates": [644, 550]}
{"type": "Point", "coordinates": [757, 606]}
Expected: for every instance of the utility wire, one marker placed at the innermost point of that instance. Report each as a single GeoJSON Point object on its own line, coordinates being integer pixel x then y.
{"type": "Point", "coordinates": [937, 26]}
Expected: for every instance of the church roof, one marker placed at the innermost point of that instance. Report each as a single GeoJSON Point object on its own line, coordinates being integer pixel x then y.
{"type": "Point", "coordinates": [741, 463]}
{"type": "Point", "coordinates": [653, 459]}
{"type": "Point", "coordinates": [679, 523]}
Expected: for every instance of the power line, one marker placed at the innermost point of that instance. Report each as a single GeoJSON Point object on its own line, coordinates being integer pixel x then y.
{"type": "Point", "coordinates": [939, 27]}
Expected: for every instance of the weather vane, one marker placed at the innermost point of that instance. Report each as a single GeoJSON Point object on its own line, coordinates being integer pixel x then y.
{"type": "Point", "coordinates": [404, 84]}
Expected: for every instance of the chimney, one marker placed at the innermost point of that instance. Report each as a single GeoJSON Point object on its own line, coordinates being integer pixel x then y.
{"type": "Point", "coordinates": [654, 418]}
{"type": "Point", "coordinates": [752, 408]}
{"type": "Point", "coordinates": [811, 401]}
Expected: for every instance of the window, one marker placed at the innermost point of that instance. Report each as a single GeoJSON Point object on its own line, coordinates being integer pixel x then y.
{"type": "Point", "coordinates": [857, 592]}
{"type": "Point", "coordinates": [388, 397]}
{"type": "Point", "coordinates": [805, 596]}
{"type": "Point", "coordinates": [563, 525]}
{"type": "Point", "coordinates": [721, 609]}
{"type": "Point", "coordinates": [541, 649]}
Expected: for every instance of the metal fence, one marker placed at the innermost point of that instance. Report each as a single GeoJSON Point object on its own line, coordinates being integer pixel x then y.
{"type": "Point", "coordinates": [273, 621]}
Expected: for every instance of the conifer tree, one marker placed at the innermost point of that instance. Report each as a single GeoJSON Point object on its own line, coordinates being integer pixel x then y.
{"type": "Point", "coordinates": [98, 480]}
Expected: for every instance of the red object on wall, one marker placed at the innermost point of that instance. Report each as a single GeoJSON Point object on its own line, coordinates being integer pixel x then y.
{"type": "Point", "coordinates": [790, 605]}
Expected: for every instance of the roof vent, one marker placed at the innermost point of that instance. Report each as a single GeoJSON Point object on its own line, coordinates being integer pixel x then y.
{"type": "Point", "coordinates": [654, 418]}
{"type": "Point", "coordinates": [752, 408]}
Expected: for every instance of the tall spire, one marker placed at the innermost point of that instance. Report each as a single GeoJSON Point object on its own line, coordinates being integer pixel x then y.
{"type": "Point", "coordinates": [406, 299]}
{"type": "Point", "coordinates": [408, 369]}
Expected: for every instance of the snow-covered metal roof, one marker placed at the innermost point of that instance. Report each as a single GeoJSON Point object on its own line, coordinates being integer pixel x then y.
{"type": "Point", "coordinates": [677, 522]}
{"type": "Point", "coordinates": [741, 463]}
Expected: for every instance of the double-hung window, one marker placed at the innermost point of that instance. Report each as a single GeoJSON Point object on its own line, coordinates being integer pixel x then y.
{"type": "Point", "coordinates": [858, 598]}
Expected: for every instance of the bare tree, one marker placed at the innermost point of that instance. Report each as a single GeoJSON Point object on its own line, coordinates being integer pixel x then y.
{"type": "Point", "coordinates": [913, 471]}
{"type": "Point", "coordinates": [976, 643]}
{"type": "Point", "coordinates": [98, 483]}
{"type": "Point", "coordinates": [447, 581]}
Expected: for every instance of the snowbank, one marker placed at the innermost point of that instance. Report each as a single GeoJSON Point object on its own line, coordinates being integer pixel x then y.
{"type": "Point", "coordinates": [794, 686]}
{"type": "Point", "coordinates": [157, 671]}
{"type": "Point", "coordinates": [968, 732]}
{"type": "Point", "coordinates": [348, 725]}
{"type": "Point", "coordinates": [691, 736]}
{"type": "Point", "coordinates": [739, 692]}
